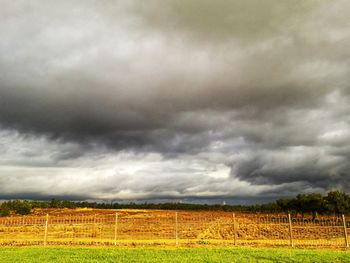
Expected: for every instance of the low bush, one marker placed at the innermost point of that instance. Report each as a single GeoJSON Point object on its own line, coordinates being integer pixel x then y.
{"type": "Point", "coordinates": [15, 207]}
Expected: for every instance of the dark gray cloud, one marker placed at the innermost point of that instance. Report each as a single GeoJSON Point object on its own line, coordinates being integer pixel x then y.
{"type": "Point", "coordinates": [250, 97]}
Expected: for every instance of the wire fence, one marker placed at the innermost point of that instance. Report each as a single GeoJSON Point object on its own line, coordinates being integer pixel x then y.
{"type": "Point", "coordinates": [175, 228]}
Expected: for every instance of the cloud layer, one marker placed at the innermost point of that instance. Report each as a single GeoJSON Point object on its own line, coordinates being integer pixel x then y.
{"type": "Point", "coordinates": [174, 99]}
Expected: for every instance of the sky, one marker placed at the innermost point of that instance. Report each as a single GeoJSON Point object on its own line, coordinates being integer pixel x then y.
{"type": "Point", "coordinates": [194, 101]}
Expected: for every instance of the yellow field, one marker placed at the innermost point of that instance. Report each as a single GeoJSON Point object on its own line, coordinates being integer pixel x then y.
{"type": "Point", "coordinates": [167, 228]}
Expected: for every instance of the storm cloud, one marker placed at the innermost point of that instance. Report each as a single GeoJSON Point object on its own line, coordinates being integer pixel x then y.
{"type": "Point", "coordinates": [174, 99]}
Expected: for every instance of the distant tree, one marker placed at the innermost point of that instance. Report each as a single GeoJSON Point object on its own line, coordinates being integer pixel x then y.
{"type": "Point", "coordinates": [310, 203]}
{"type": "Point", "coordinates": [16, 206]}
{"type": "Point", "coordinates": [285, 205]}
{"type": "Point", "coordinates": [54, 203]}
{"type": "Point", "coordinates": [4, 210]}
{"type": "Point", "coordinates": [337, 202]}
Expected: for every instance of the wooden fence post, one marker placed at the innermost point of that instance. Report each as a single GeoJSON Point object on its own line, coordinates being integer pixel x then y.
{"type": "Point", "coordinates": [176, 229]}
{"type": "Point", "coordinates": [94, 232]}
{"type": "Point", "coordinates": [234, 229]}
{"type": "Point", "coordinates": [46, 229]}
{"type": "Point", "coordinates": [290, 231]}
{"type": "Point", "coordinates": [116, 229]}
{"type": "Point", "coordinates": [345, 232]}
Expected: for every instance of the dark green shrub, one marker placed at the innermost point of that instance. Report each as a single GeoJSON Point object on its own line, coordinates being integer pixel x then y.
{"type": "Point", "coordinates": [16, 206]}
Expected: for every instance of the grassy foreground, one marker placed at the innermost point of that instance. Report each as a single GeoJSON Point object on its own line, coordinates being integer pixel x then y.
{"type": "Point", "coordinates": [61, 254]}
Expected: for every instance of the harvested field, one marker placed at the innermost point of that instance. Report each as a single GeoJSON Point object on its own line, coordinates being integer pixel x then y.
{"type": "Point", "coordinates": [168, 228]}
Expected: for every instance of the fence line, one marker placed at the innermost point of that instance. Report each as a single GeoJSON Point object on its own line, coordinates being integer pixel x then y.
{"type": "Point", "coordinates": [290, 231]}
{"type": "Point", "coordinates": [234, 229]}
{"type": "Point", "coordinates": [46, 228]}
{"type": "Point", "coordinates": [175, 228]}
{"type": "Point", "coordinates": [116, 229]}
{"type": "Point", "coordinates": [345, 232]}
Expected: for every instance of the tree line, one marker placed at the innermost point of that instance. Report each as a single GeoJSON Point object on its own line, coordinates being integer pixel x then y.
{"type": "Point", "coordinates": [332, 203]}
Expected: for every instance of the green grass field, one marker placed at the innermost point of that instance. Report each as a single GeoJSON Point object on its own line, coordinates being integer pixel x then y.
{"type": "Point", "coordinates": [63, 255]}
